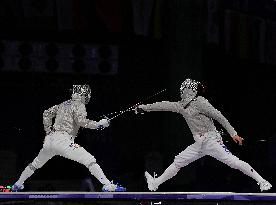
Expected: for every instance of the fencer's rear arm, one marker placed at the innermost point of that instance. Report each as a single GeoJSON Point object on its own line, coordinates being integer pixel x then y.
{"type": "Point", "coordinates": [80, 116]}
{"type": "Point", "coordinates": [207, 109]}
{"type": "Point", "coordinates": [161, 106]}
{"type": "Point", "coordinates": [48, 115]}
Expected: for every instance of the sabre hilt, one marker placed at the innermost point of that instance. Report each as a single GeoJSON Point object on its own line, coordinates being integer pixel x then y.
{"type": "Point", "coordinates": [107, 118]}
{"type": "Point", "coordinates": [102, 126]}
{"type": "Point", "coordinates": [138, 110]}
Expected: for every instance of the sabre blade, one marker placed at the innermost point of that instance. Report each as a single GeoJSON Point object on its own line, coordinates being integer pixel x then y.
{"type": "Point", "coordinates": [133, 106]}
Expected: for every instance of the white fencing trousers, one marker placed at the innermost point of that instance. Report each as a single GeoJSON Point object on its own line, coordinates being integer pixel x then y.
{"type": "Point", "coordinates": [62, 144]}
{"type": "Point", "coordinates": [208, 144]}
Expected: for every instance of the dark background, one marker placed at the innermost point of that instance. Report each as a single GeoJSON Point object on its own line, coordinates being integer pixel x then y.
{"type": "Point", "coordinates": [128, 50]}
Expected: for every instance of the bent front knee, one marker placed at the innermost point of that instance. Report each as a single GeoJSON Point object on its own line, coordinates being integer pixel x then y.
{"type": "Point", "coordinates": [89, 161]}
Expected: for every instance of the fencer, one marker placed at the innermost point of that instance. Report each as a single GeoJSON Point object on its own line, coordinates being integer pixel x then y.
{"type": "Point", "coordinates": [69, 117]}
{"type": "Point", "coordinates": [199, 115]}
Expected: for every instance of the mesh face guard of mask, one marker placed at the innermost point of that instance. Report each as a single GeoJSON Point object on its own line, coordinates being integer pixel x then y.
{"type": "Point", "coordinates": [189, 84]}
{"type": "Point", "coordinates": [83, 90]}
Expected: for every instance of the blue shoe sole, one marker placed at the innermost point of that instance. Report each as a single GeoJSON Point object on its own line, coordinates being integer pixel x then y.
{"type": "Point", "coordinates": [116, 190]}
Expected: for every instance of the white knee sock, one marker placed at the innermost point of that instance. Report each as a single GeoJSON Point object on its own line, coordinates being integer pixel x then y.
{"type": "Point", "coordinates": [169, 173]}
{"type": "Point", "coordinates": [24, 175]}
{"type": "Point", "coordinates": [249, 171]}
{"type": "Point", "coordinates": [96, 171]}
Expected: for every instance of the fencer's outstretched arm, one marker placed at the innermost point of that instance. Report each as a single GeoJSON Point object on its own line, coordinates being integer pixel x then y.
{"type": "Point", "coordinates": [207, 109]}
{"type": "Point", "coordinates": [161, 106]}
{"type": "Point", "coordinates": [80, 115]}
{"type": "Point", "coordinates": [48, 115]}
